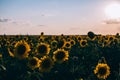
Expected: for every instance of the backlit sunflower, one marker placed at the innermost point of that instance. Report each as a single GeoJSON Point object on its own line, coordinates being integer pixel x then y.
{"type": "Point", "coordinates": [43, 49]}
{"type": "Point", "coordinates": [34, 63]}
{"type": "Point", "coordinates": [83, 43]}
{"type": "Point", "coordinates": [79, 38]}
{"type": "Point", "coordinates": [102, 70]}
{"type": "Point", "coordinates": [68, 39]}
{"type": "Point", "coordinates": [42, 33]}
{"type": "Point", "coordinates": [67, 45]}
{"type": "Point", "coordinates": [46, 64]}
{"type": "Point", "coordinates": [21, 49]}
{"type": "Point", "coordinates": [72, 42]}
{"type": "Point", "coordinates": [54, 44]}
{"type": "Point", "coordinates": [60, 55]}
{"type": "Point", "coordinates": [111, 38]}
{"type": "Point", "coordinates": [91, 35]}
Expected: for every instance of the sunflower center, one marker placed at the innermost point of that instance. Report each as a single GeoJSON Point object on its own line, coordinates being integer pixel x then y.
{"type": "Point", "coordinates": [21, 49]}
{"type": "Point", "coordinates": [42, 49]}
{"type": "Point", "coordinates": [60, 55]}
{"type": "Point", "coordinates": [102, 71]}
{"type": "Point", "coordinates": [67, 45]}
{"type": "Point", "coordinates": [46, 63]}
{"type": "Point", "coordinates": [111, 38]}
{"type": "Point", "coordinates": [79, 38]}
{"type": "Point", "coordinates": [72, 42]}
{"type": "Point", "coordinates": [83, 43]}
{"type": "Point", "coordinates": [33, 62]}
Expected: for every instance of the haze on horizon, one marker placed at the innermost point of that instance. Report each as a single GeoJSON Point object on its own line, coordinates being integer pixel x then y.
{"type": "Point", "coordinates": [56, 17]}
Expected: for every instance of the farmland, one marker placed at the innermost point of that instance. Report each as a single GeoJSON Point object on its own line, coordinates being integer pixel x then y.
{"type": "Point", "coordinates": [60, 57]}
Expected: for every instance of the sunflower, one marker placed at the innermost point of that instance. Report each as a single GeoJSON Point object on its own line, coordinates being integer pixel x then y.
{"type": "Point", "coordinates": [46, 64]}
{"type": "Point", "coordinates": [91, 35]}
{"type": "Point", "coordinates": [42, 33]}
{"type": "Point", "coordinates": [26, 38]}
{"type": "Point", "coordinates": [60, 55]}
{"type": "Point", "coordinates": [117, 35]}
{"type": "Point", "coordinates": [68, 39]}
{"type": "Point", "coordinates": [79, 38]}
{"type": "Point", "coordinates": [83, 43]}
{"type": "Point", "coordinates": [21, 49]}
{"type": "Point", "coordinates": [43, 49]}
{"type": "Point", "coordinates": [67, 45]}
{"type": "Point", "coordinates": [34, 62]}
{"type": "Point", "coordinates": [54, 44]}
{"type": "Point", "coordinates": [102, 70]}
{"type": "Point", "coordinates": [72, 42]}
{"type": "Point", "coordinates": [111, 38]}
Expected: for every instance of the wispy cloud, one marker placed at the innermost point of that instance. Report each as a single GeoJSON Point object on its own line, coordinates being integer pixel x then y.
{"type": "Point", "coordinates": [112, 21]}
{"type": "Point", "coordinates": [40, 25]}
{"type": "Point", "coordinates": [4, 20]}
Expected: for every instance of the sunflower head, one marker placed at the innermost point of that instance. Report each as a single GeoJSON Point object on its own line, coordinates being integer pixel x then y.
{"type": "Point", "coordinates": [67, 45]}
{"type": "Point", "coordinates": [34, 63]}
{"type": "Point", "coordinates": [42, 33]}
{"type": "Point", "coordinates": [91, 35]}
{"type": "Point", "coordinates": [46, 64]}
{"type": "Point", "coordinates": [83, 43]}
{"type": "Point", "coordinates": [111, 38]}
{"type": "Point", "coordinates": [117, 35]}
{"type": "Point", "coordinates": [43, 49]}
{"type": "Point", "coordinates": [54, 44]}
{"type": "Point", "coordinates": [21, 49]}
{"type": "Point", "coordinates": [25, 38]}
{"type": "Point", "coordinates": [72, 42]}
{"type": "Point", "coordinates": [102, 70]}
{"type": "Point", "coordinates": [60, 55]}
{"type": "Point", "coordinates": [79, 38]}
{"type": "Point", "coordinates": [68, 39]}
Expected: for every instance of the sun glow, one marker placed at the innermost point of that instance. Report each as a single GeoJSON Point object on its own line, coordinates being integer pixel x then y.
{"type": "Point", "coordinates": [112, 11]}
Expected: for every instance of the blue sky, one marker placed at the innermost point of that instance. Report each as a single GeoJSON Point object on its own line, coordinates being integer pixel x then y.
{"type": "Point", "coordinates": [55, 17]}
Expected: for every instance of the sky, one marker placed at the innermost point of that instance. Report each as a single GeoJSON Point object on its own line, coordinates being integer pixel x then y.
{"type": "Point", "coordinates": [54, 17]}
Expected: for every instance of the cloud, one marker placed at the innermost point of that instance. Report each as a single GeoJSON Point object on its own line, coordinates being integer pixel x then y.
{"type": "Point", "coordinates": [48, 14]}
{"type": "Point", "coordinates": [112, 21]}
{"type": "Point", "coordinates": [4, 20]}
{"type": "Point", "coordinates": [40, 25]}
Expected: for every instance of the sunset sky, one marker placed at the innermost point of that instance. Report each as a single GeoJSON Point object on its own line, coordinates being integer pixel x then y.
{"type": "Point", "coordinates": [56, 17]}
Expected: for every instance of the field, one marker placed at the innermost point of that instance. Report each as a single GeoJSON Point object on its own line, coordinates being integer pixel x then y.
{"type": "Point", "coordinates": [60, 57]}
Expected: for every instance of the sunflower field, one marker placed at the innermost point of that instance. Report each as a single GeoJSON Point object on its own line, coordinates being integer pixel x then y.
{"type": "Point", "coordinates": [60, 57]}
